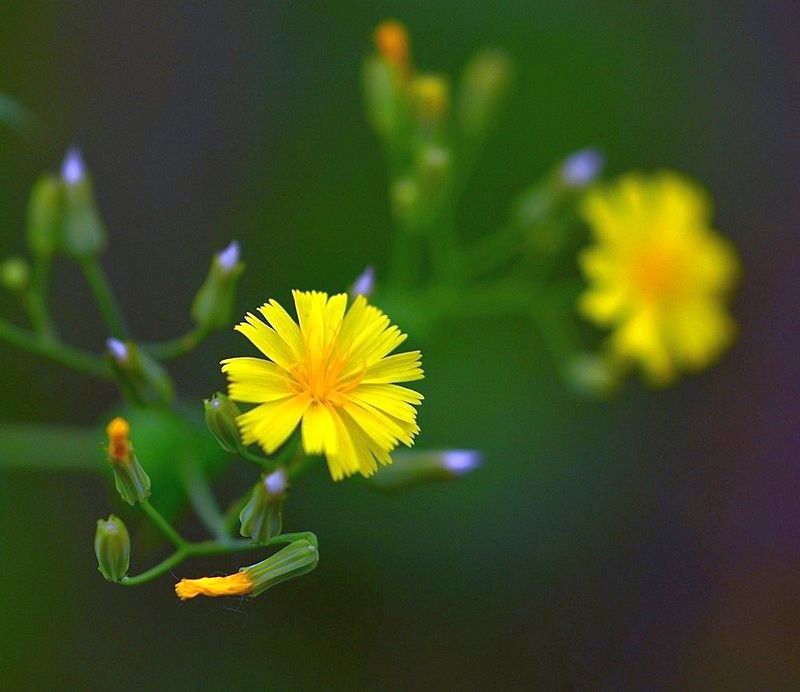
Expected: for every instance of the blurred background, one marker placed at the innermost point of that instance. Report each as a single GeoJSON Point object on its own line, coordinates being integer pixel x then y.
{"type": "Point", "coordinates": [652, 541]}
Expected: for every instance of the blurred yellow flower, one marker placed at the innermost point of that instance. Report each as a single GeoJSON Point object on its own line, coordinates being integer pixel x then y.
{"type": "Point", "coordinates": [119, 445]}
{"type": "Point", "coordinates": [333, 373]}
{"type": "Point", "coordinates": [391, 40]}
{"type": "Point", "coordinates": [658, 273]}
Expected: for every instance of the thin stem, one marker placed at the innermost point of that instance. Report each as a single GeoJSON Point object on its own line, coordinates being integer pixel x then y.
{"type": "Point", "coordinates": [166, 350]}
{"type": "Point", "coordinates": [103, 294]}
{"type": "Point", "coordinates": [49, 448]}
{"type": "Point", "coordinates": [36, 300]}
{"type": "Point", "coordinates": [70, 357]}
{"type": "Point", "coordinates": [262, 461]}
{"type": "Point", "coordinates": [166, 528]}
{"type": "Point", "coordinates": [202, 498]}
{"type": "Point", "coordinates": [205, 548]}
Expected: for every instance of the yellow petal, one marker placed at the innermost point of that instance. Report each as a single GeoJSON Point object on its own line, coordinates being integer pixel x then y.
{"type": "Point", "coordinates": [271, 423]}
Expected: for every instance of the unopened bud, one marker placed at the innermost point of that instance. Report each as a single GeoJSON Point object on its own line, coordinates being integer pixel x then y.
{"type": "Point", "coordinates": [221, 414]}
{"type": "Point", "coordinates": [84, 233]}
{"type": "Point", "coordinates": [405, 199]}
{"type": "Point", "coordinates": [364, 285]}
{"type": "Point", "coordinates": [581, 168]}
{"type": "Point", "coordinates": [384, 97]}
{"type": "Point", "coordinates": [45, 222]}
{"type": "Point", "coordinates": [141, 378]}
{"type": "Point", "coordinates": [433, 170]}
{"type": "Point", "coordinates": [133, 484]}
{"type": "Point", "coordinates": [592, 375]}
{"type": "Point", "coordinates": [391, 42]}
{"type": "Point", "coordinates": [262, 516]}
{"type": "Point", "coordinates": [419, 467]}
{"type": "Point", "coordinates": [431, 100]}
{"type": "Point", "coordinates": [14, 274]}
{"type": "Point", "coordinates": [482, 89]}
{"type": "Point", "coordinates": [213, 305]}
{"type": "Point", "coordinates": [112, 546]}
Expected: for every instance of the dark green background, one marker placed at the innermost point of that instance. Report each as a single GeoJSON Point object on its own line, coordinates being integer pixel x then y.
{"type": "Point", "coordinates": [649, 542]}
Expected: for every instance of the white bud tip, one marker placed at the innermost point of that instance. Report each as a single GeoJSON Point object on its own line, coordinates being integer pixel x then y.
{"type": "Point", "coordinates": [364, 285]}
{"type": "Point", "coordinates": [275, 483]}
{"type": "Point", "coordinates": [582, 167]}
{"type": "Point", "coordinates": [117, 349]}
{"type": "Point", "coordinates": [73, 169]}
{"type": "Point", "coordinates": [461, 461]}
{"type": "Point", "coordinates": [229, 257]}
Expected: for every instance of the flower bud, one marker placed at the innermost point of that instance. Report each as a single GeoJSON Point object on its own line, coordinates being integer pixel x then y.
{"type": "Point", "coordinates": [592, 375]}
{"type": "Point", "coordinates": [141, 378]}
{"type": "Point", "coordinates": [433, 171]}
{"type": "Point", "coordinates": [364, 285]}
{"type": "Point", "coordinates": [14, 274]}
{"type": "Point", "coordinates": [213, 305]}
{"type": "Point", "coordinates": [112, 546]}
{"type": "Point", "coordinates": [581, 168]}
{"type": "Point", "coordinates": [418, 467]}
{"type": "Point", "coordinates": [262, 516]}
{"type": "Point", "coordinates": [405, 199]}
{"type": "Point", "coordinates": [133, 484]}
{"type": "Point", "coordinates": [45, 220]}
{"type": "Point", "coordinates": [483, 86]}
{"type": "Point", "coordinates": [297, 558]}
{"type": "Point", "coordinates": [430, 96]}
{"type": "Point", "coordinates": [392, 44]}
{"type": "Point", "coordinates": [84, 233]}
{"type": "Point", "coordinates": [384, 97]}
{"type": "Point", "coordinates": [221, 414]}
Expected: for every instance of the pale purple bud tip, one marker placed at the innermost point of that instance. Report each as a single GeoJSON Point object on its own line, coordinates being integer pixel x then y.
{"type": "Point", "coordinates": [275, 483]}
{"type": "Point", "coordinates": [364, 285]}
{"type": "Point", "coordinates": [229, 257]}
{"type": "Point", "coordinates": [73, 170]}
{"type": "Point", "coordinates": [117, 349]}
{"type": "Point", "coordinates": [461, 461]}
{"type": "Point", "coordinates": [582, 167]}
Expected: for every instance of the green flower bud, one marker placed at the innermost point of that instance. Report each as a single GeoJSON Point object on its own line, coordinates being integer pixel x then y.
{"type": "Point", "coordinates": [430, 97]}
{"type": "Point", "coordinates": [14, 274]}
{"type": "Point", "coordinates": [433, 174]}
{"type": "Point", "coordinates": [484, 84]}
{"type": "Point", "coordinates": [405, 198]}
{"type": "Point", "coordinates": [45, 216]}
{"type": "Point", "coordinates": [419, 467]}
{"type": "Point", "coordinates": [221, 414]}
{"type": "Point", "coordinates": [84, 230]}
{"type": "Point", "coordinates": [112, 546]}
{"type": "Point", "coordinates": [141, 378]}
{"type": "Point", "coordinates": [133, 483]}
{"type": "Point", "coordinates": [296, 559]}
{"type": "Point", "coordinates": [262, 516]}
{"type": "Point", "coordinates": [213, 305]}
{"type": "Point", "coordinates": [592, 375]}
{"type": "Point", "coordinates": [385, 97]}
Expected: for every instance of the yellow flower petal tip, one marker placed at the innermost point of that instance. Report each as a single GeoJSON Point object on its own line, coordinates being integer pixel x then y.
{"type": "Point", "coordinates": [658, 274]}
{"type": "Point", "coordinates": [331, 373]}
{"type": "Point", "coordinates": [118, 444]}
{"type": "Point", "coordinates": [391, 40]}
{"type": "Point", "coordinates": [238, 584]}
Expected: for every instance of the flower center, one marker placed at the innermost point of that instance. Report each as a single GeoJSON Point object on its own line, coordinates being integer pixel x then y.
{"type": "Point", "coordinates": [320, 377]}
{"type": "Point", "coordinates": [658, 273]}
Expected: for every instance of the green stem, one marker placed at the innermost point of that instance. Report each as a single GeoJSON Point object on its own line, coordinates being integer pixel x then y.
{"type": "Point", "coordinates": [166, 528]}
{"type": "Point", "coordinates": [262, 461]}
{"type": "Point", "coordinates": [103, 294]}
{"type": "Point", "coordinates": [205, 548]}
{"type": "Point", "coordinates": [49, 448]}
{"type": "Point", "coordinates": [166, 350]}
{"type": "Point", "coordinates": [202, 498]}
{"type": "Point", "coordinates": [70, 357]}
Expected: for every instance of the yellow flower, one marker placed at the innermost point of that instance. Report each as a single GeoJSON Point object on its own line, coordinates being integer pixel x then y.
{"type": "Point", "coordinates": [658, 273]}
{"type": "Point", "coordinates": [332, 373]}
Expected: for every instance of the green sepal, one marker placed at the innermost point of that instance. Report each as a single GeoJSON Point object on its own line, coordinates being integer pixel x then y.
{"type": "Point", "coordinates": [112, 547]}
